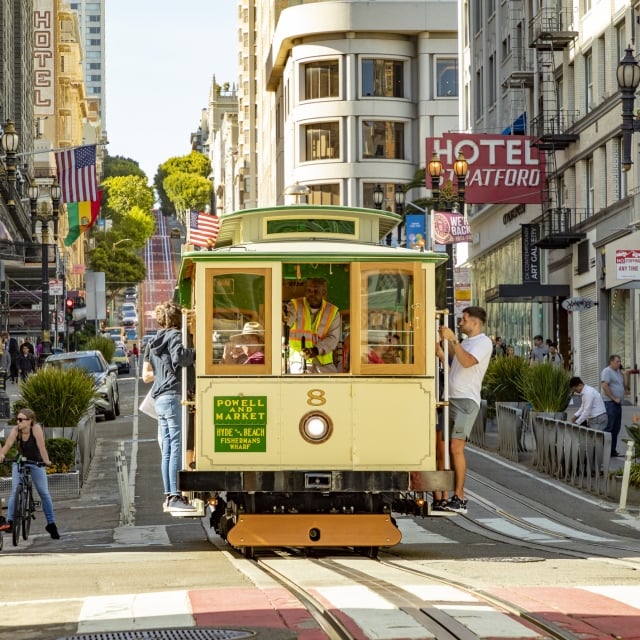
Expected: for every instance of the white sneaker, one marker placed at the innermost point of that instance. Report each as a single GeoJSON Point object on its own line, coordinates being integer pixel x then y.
{"type": "Point", "coordinates": [178, 504]}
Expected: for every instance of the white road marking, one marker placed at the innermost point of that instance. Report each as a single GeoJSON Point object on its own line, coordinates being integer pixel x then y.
{"type": "Point", "coordinates": [132, 611]}
{"type": "Point", "coordinates": [145, 536]}
{"type": "Point", "coordinates": [413, 533]}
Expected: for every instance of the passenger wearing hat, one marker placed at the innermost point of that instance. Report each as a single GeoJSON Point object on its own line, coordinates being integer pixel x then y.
{"type": "Point", "coordinates": [252, 342]}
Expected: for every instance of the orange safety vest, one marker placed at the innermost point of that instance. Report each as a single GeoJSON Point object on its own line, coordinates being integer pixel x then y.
{"type": "Point", "coordinates": [303, 327]}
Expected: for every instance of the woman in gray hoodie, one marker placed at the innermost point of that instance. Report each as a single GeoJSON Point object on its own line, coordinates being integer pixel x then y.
{"type": "Point", "coordinates": [164, 358]}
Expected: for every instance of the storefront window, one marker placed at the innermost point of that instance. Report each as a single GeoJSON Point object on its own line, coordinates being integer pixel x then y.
{"type": "Point", "coordinates": [515, 322]}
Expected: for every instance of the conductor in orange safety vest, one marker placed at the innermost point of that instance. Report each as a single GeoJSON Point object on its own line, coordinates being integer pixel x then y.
{"type": "Point", "coordinates": [315, 328]}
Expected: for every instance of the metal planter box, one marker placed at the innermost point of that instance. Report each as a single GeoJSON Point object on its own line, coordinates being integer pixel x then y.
{"type": "Point", "coordinates": [61, 486]}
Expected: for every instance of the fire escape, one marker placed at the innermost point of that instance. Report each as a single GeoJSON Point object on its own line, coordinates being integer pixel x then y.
{"type": "Point", "coordinates": [551, 31]}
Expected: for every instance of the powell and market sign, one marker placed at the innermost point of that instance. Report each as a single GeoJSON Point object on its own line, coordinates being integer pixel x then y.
{"type": "Point", "coordinates": [240, 423]}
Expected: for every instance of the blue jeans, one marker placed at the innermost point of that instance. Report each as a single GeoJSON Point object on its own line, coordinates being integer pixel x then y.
{"type": "Point", "coordinates": [170, 433]}
{"type": "Point", "coordinates": [614, 422]}
{"type": "Point", "coordinates": [40, 482]}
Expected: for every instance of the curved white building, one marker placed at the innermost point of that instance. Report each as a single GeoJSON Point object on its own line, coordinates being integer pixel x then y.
{"type": "Point", "coordinates": [345, 94]}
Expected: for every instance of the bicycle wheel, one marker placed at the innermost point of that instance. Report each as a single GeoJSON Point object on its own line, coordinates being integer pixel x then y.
{"type": "Point", "coordinates": [29, 511]}
{"type": "Point", "coordinates": [17, 516]}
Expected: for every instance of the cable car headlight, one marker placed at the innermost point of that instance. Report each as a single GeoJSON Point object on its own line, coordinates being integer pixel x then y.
{"type": "Point", "coordinates": [316, 427]}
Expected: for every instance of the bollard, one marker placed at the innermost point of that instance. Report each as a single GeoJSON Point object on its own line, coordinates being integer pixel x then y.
{"type": "Point", "coordinates": [624, 490]}
{"type": "Point", "coordinates": [126, 516]}
{"type": "Point", "coordinates": [5, 404]}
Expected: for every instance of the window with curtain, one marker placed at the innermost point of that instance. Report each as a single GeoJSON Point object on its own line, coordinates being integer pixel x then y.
{"type": "Point", "coordinates": [321, 79]}
{"type": "Point", "coordinates": [322, 141]}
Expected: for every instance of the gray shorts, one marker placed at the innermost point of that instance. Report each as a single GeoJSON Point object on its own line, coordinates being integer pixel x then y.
{"type": "Point", "coordinates": [462, 416]}
{"type": "Point", "coordinates": [599, 422]}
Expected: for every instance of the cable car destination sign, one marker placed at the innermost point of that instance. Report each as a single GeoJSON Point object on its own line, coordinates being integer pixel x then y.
{"type": "Point", "coordinates": [502, 169]}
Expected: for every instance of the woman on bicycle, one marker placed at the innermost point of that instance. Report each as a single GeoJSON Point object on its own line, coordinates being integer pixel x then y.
{"type": "Point", "coordinates": [30, 439]}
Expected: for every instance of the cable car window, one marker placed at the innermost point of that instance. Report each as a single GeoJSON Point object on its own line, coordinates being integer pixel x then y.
{"type": "Point", "coordinates": [388, 338]}
{"type": "Point", "coordinates": [239, 323]}
{"type": "Point", "coordinates": [387, 319]}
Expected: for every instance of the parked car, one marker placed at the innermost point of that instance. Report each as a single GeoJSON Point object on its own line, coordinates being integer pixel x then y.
{"type": "Point", "coordinates": [127, 306]}
{"type": "Point", "coordinates": [129, 318]}
{"type": "Point", "coordinates": [130, 334]}
{"type": "Point", "coordinates": [121, 358]}
{"type": "Point", "coordinates": [105, 374]}
{"type": "Point", "coordinates": [175, 232]}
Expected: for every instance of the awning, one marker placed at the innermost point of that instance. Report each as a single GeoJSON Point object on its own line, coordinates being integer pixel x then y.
{"type": "Point", "coordinates": [527, 293]}
{"type": "Point", "coordinates": [517, 127]}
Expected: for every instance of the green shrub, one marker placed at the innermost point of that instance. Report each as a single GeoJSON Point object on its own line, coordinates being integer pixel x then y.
{"type": "Point", "coordinates": [634, 433]}
{"type": "Point", "coordinates": [634, 476]}
{"type": "Point", "coordinates": [62, 453]}
{"type": "Point", "coordinates": [545, 387]}
{"type": "Point", "coordinates": [59, 397]}
{"type": "Point", "coordinates": [105, 345]}
{"type": "Point", "coordinates": [500, 382]}
{"type": "Point", "coordinates": [5, 467]}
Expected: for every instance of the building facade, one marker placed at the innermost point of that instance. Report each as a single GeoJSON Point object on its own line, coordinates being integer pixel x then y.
{"type": "Point", "coordinates": [339, 98]}
{"type": "Point", "coordinates": [548, 70]}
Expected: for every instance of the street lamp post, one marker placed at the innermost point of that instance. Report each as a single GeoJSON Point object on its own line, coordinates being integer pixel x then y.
{"type": "Point", "coordinates": [43, 216]}
{"type": "Point", "coordinates": [10, 141]}
{"type": "Point", "coordinates": [460, 168]}
{"type": "Point", "coordinates": [399, 196]}
{"type": "Point", "coordinates": [628, 77]}
{"type": "Point", "coordinates": [378, 197]}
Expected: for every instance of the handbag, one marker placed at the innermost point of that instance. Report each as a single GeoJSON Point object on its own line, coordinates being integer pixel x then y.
{"type": "Point", "coordinates": [148, 406]}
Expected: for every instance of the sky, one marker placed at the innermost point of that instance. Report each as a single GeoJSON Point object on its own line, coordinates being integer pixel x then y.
{"type": "Point", "coordinates": [161, 56]}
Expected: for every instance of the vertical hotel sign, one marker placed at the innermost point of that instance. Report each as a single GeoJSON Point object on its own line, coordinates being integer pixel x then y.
{"type": "Point", "coordinates": [44, 59]}
{"type": "Point", "coordinates": [530, 254]}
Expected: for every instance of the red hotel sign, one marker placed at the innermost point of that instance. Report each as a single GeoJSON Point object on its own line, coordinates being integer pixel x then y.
{"type": "Point", "coordinates": [502, 169]}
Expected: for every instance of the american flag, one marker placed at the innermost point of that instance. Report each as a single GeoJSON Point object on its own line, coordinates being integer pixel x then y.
{"type": "Point", "coordinates": [77, 174]}
{"type": "Point", "coordinates": [203, 229]}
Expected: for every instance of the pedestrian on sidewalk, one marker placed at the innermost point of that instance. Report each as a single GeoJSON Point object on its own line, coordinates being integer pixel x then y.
{"type": "Point", "coordinates": [29, 436]}
{"type": "Point", "coordinates": [26, 362]}
{"type": "Point", "coordinates": [612, 391]}
{"type": "Point", "coordinates": [470, 361]}
{"type": "Point", "coordinates": [592, 412]}
{"type": "Point", "coordinates": [164, 358]}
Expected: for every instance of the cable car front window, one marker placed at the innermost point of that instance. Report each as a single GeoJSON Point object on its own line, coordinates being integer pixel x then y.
{"type": "Point", "coordinates": [239, 332]}
{"type": "Point", "coordinates": [387, 323]}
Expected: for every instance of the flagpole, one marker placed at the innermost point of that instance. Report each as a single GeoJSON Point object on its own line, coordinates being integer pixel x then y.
{"type": "Point", "coordinates": [78, 146]}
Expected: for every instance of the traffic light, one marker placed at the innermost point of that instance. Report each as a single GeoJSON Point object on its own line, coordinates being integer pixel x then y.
{"type": "Point", "coordinates": [69, 304]}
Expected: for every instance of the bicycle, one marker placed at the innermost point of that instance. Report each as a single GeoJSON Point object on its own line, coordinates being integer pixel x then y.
{"type": "Point", "coordinates": [24, 506]}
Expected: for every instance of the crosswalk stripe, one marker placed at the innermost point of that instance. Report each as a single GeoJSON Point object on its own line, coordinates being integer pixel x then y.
{"type": "Point", "coordinates": [132, 611]}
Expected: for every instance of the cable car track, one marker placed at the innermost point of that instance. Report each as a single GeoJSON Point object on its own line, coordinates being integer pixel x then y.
{"type": "Point", "coordinates": [380, 584]}
{"type": "Point", "coordinates": [600, 545]}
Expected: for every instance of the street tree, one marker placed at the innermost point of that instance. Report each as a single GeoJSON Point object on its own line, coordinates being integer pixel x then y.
{"type": "Point", "coordinates": [121, 265]}
{"type": "Point", "coordinates": [121, 166]}
{"type": "Point", "coordinates": [194, 163]}
{"type": "Point", "coordinates": [125, 192]}
{"type": "Point", "coordinates": [188, 191]}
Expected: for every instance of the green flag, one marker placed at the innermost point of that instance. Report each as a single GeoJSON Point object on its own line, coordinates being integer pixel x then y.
{"type": "Point", "coordinates": [73, 215]}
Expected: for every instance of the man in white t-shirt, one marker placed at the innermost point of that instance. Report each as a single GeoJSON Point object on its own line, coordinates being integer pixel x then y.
{"type": "Point", "coordinates": [470, 361]}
